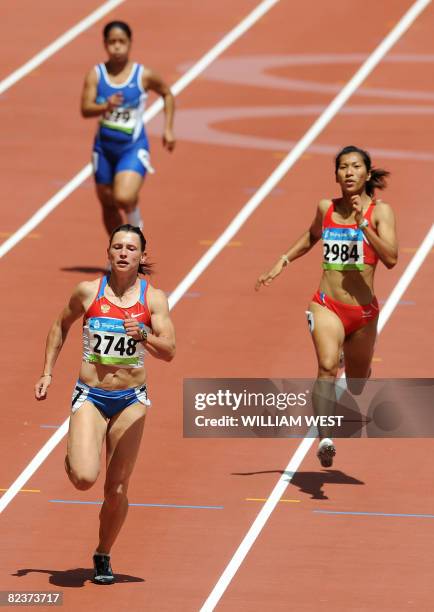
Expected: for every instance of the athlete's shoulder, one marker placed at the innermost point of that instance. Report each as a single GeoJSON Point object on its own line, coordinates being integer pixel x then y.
{"type": "Point", "coordinates": [382, 210]}
{"type": "Point", "coordinates": [158, 294]}
{"type": "Point", "coordinates": [86, 289]}
{"type": "Point", "coordinates": [324, 204]}
{"type": "Point", "coordinates": [157, 299]}
{"type": "Point", "coordinates": [146, 71]}
{"type": "Point", "coordinates": [379, 204]}
{"type": "Point", "coordinates": [91, 77]}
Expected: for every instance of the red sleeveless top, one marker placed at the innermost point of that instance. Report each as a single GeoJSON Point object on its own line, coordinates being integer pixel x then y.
{"type": "Point", "coordinates": [345, 246]}
{"type": "Point", "coordinates": [105, 340]}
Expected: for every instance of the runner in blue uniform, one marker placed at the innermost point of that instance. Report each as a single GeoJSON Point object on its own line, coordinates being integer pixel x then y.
{"type": "Point", "coordinates": [116, 92]}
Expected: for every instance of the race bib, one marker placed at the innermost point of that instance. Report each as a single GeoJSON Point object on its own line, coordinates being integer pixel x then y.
{"type": "Point", "coordinates": [122, 119]}
{"type": "Point", "coordinates": [343, 248]}
{"type": "Point", "coordinates": [108, 344]}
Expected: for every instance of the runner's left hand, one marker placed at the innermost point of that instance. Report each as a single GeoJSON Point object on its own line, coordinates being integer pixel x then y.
{"type": "Point", "coordinates": [357, 203]}
{"type": "Point", "coordinates": [168, 140]}
{"type": "Point", "coordinates": [132, 328]}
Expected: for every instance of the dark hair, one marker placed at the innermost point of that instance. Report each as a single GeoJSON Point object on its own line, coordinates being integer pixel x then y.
{"type": "Point", "coordinates": [117, 24]}
{"type": "Point", "coordinates": [378, 175]}
{"type": "Point", "coordinates": [126, 227]}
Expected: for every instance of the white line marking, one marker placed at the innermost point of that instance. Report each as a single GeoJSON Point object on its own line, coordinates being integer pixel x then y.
{"type": "Point", "coordinates": [231, 37]}
{"type": "Point", "coordinates": [153, 110]}
{"type": "Point", "coordinates": [258, 524]}
{"type": "Point", "coordinates": [409, 273]}
{"type": "Point", "coordinates": [292, 465]}
{"type": "Point", "coordinates": [303, 448]}
{"type": "Point", "coordinates": [34, 464]}
{"type": "Point", "coordinates": [60, 42]}
{"type": "Point", "coordinates": [45, 210]}
{"type": "Point", "coordinates": [317, 127]}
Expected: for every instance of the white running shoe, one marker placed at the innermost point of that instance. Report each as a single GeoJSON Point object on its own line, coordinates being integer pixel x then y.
{"type": "Point", "coordinates": [325, 453]}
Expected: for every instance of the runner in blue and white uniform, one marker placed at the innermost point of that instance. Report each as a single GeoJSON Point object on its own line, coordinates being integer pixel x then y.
{"type": "Point", "coordinates": [116, 92]}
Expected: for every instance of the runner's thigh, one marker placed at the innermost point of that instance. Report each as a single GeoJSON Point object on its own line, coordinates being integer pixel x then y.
{"type": "Point", "coordinates": [87, 428]}
{"type": "Point", "coordinates": [328, 335]}
{"type": "Point", "coordinates": [123, 439]}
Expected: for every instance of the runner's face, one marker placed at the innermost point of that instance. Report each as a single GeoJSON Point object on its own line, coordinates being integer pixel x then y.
{"type": "Point", "coordinates": [125, 253]}
{"type": "Point", "coordinates": [352, 173]}
{"type": "Point", "coordinates": [117, 45]}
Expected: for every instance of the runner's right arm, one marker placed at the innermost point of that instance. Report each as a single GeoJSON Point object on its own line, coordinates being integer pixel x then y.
{"type": "Point", "coordinates": [57, 335]}
{"type": "Point", "coordinates": [300, 247]}
{"type": "Point", "coordinates": [89, 106]}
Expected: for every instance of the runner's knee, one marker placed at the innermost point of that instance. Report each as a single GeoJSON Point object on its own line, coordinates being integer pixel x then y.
{"type": "Point", "coordinates": [115, 493]}
{"type": "Point", "coordinates": [125, 201]}
{"type": "Point", "coordinates": [356, 385]}
{"type": "Point", "coordinates": [81, 482]}
{"type": "Point", "coordinates": [105, 196]}
{"type": "Point", "coordinates": [81, 479]}
{"type": "Point", "coordinates": [328, 367]}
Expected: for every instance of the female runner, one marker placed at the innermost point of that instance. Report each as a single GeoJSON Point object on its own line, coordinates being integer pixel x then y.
{"type": "Point", "coordinates": [357, 230]}
{"type": "Point", "coordinates": [116, 92]}
{"type": "Point", "coordinates": [123, 317]}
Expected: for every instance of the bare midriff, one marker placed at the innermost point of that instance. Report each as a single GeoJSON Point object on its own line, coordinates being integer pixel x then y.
{"type": "Point", "coordinates": [111, 378]}
{"type": "Point", "coordinates": [355, 287]}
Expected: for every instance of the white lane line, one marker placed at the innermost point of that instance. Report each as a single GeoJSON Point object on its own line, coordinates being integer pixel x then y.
{"type": "Point", "coordinates": [313, 132]}
{"type": "Point", "coordinates": [153, 110]}
{"type": "Point", "coordinates": [34, 464]}
{"type": "Point", "coordinates": [303, 448]}
{"type": "Point", "coordinates": [60, 42]}
{"type": "Point", "coordinates": [191, 74]}
{"type": "Point", "coordinates": [45, 210]}
{"type": "Point", "coordinates": [406, 278]}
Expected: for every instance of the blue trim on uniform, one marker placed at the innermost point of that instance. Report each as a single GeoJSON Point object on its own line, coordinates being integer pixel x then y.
{"type": "Point", "coordinates": [143, 285]}
{"type": "Point", "coordinates": [102, 287]}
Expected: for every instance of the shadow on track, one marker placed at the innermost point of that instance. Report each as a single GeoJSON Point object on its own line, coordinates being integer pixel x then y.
{"type": "Point", "coordinates": [311, 483]}
{"type": "Point", "coordinates": [73, 577]}
{"type": "Point", "coordinates": [85, 269]}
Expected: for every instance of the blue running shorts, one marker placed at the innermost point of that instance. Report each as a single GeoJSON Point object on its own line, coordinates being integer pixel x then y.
{"type": "Point", "coordinates": [108, 403]}
{"type": "Point", "coordinates": [109, 158]}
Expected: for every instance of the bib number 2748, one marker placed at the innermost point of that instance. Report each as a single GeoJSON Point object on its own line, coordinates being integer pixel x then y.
{"type": "Point", "coordinates": [104, 345]}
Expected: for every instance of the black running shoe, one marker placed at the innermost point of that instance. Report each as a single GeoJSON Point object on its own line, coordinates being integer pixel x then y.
{"type": "Point", "coordinates": [326, 452]}
{"type": "Point", "coordinates": [103, 571]}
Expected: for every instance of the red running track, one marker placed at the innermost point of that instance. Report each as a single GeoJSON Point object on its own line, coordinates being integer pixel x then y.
{"type": "Point", "coordinates": [171, 558]}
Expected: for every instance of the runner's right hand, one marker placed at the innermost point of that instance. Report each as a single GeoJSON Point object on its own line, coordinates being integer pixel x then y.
{"type": "Point", "coordinates": [41, 387]}
{"type": "Point", "coordinates": [265, 279]}
{"type": "Point", "coordinates": [114, 101]}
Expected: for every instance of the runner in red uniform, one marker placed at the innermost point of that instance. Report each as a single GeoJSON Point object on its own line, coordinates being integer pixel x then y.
{"type": "Point", "coordinates": [357, 230]}
{"type": "Point", "coordinates": [124, 317]}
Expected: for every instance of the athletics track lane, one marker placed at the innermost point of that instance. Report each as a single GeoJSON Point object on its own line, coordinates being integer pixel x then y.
{"type": "Point", "coordinates": [213, 457]}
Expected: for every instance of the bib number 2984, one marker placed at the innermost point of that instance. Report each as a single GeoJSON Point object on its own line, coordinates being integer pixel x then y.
{"type": "Point", "coordinates": [104, 344]}
{"type": "Point", "coordinates": [341, 252]}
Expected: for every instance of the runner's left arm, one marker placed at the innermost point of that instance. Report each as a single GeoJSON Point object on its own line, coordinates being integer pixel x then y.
{"type": "Point", "coordinates": [152, 81]}
{"type": "Point", "coordinates": [56, 337]}
{"type": "Point", "coordinates": [383, 240]}
{"type": "Point", "coordinates": [160, 342]}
